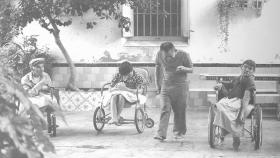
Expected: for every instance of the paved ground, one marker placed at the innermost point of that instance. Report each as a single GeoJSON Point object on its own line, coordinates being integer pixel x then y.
{"type": "Point", "coordinates": [80, 140]}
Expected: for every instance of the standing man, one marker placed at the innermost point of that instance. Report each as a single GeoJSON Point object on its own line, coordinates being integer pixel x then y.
{"type": "Point", "coordinates": [174, 64]}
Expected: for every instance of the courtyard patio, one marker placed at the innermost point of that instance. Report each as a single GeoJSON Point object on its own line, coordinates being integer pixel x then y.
{"type": "Point", "coordinates": [80, 140]}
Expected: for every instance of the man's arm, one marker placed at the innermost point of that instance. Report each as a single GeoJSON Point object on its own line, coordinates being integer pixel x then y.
{"type": "Point", "coordinates": [114, 82]}
{"type": "Point", "coordinates": [44, 84]}
{"type": "Point", "coordinates": [121, 86]}
{"type": "Point", "coordinates": [139, 82]}
{"type": "Point", "coordinates": [26, 84]}
{"type": "Point", "coordinates": [131, 90]}
{"type": "Point", "coordinates": [157, 78]}
{"type": "Point", "coordinates": [249, 85]}
{"type": "Point", "coordinates": [187, 65]}
{"type": "Point", "coordinates": [227, 84]}
{"type": "Point", "coordinates": [158, 72]}
{"type": "Point", "coordinates": [186, 69]}
{"type": "Point", "coordinates": [244, 103]}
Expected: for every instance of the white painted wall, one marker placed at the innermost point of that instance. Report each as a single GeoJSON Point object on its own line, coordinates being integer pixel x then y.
{"type": "Point", "coordinates": [83, 45]}
{"type": "Point", "coordinates": [250, 37]}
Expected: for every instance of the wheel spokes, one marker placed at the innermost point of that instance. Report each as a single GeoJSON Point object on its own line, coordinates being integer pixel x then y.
{"type": "Point", "coordinates": [217, 135]}
{"type": "Point", "coordinates": [139, 118]}
{"type": "Point", "coordinates": [100, 118]}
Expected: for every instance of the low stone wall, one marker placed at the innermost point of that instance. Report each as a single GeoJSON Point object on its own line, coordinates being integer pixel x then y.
{"type": "Point", "coordinates": [93, 76]}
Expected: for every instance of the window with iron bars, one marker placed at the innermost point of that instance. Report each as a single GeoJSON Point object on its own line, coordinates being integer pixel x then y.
{"type": "Point", "coordinates": [159, 21]}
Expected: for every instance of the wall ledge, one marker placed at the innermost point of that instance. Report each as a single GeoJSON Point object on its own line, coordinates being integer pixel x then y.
{"type": "Point", "coordinates": [151, 64]}
{"type": "Point", "coordinates": [151, 43]}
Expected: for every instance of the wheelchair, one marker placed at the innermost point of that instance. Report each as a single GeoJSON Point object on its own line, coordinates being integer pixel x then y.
{"type": "Point", "coordinates": [140, 120]}
{"type": "Point", "coordinates": [255, 130]}
{"type": "Point", "coordinates": [51, 118]}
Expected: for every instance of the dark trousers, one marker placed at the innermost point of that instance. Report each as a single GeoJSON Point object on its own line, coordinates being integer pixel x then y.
{"type": "Point", "coordinates": [173, 97]}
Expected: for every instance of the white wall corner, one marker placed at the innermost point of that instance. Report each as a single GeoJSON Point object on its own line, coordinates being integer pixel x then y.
{"type": "Point", "coordinates": [185, 18]}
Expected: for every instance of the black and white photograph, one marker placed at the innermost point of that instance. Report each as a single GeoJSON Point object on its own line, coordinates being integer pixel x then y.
{"type": "Point", "coordinates": [139, 79]}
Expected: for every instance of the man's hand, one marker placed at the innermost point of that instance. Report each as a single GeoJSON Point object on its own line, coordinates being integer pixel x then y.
{"type": "Point", "coordinates": [32, 92]}
{"type": "Point", "coordinates": [244, 103]}
{"type": "Point", "coordinates": [113, 89]}
{"type": "Point", "coordinates": [45, 88]}
{"type": "Point", "coordinates": [181, 68]}
{"type": "Point", "coordinates": [218, 86]}
{"type": "Point", "coordinates": [184, 69]}
{"type": "Point", "coordinates": [158, 90]}
{"type": "Point", "coordinates": [240, 119]}
{"type": "Point", "coordinates": [120, 86]}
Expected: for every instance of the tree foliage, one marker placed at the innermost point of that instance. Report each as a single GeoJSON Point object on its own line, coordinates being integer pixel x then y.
{"type": "Point", "coordinates": [18, 55]}
{"type": "Point", "coordinates": [21, 136]}
{"type": "Point", "coordinates": [7, 27]}
{"type": "Point", "coordinates": [59, 12]}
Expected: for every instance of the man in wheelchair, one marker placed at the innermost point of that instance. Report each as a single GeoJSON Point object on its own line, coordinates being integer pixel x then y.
{"type": "Point", "coordinates": [37, 84]}
{"type": "Point", "coordinates": [232, 110]}
{"type": "Point", "coordinates": [124, 86]}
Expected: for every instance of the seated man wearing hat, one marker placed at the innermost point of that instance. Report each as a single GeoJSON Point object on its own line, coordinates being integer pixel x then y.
{"type": "Point", "coordinates": [37, 84]}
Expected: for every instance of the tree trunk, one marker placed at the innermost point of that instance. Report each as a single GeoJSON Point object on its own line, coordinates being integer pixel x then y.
{"type": "Point", "coordinates": [71, 82]}
{"type": "Point", "coordinates": [72, 79]}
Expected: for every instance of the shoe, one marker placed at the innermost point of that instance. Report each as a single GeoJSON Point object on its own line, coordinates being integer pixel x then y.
{"type": "Point", "coordinates": [236, 143]}
{"type": "Point", "coordinates": [161, 138]}
{"type": "Point", "coordinates": [221, 141]}
{"type": "Point", "coordinates": [111, 122]}
{"type": "Point", "coordinates": [179, 136]}
{"type": "Point", "coordinates": [114, 122]}
{"type": "Point", "coordinates": [222, 136]}
{"type": "Point", "coordinates": [108, 118]}
{"type": "Point", "coordinates": [121, 119]}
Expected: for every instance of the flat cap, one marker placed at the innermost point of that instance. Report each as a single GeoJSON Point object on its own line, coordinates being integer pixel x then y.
{"type": "Point", "coordinates": [36, 61]}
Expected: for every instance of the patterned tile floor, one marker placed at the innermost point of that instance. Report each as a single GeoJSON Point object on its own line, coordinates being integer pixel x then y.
{"type": "Point", "coordinates": [78, 101]}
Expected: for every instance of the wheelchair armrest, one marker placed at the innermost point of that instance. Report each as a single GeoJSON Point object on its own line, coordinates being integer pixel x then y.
{"type": "Point", "coordinates": [137, 93]}
{"type": "Point", "coordinates": [103, 87]}
{"type": "Point", "coordinates": [223, 92]}
{"type": "Point", "coordinates": [144, 88]}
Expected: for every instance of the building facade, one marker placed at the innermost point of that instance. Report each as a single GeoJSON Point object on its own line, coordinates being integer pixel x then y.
{"type": "Point", "coordinates": [192, 25]}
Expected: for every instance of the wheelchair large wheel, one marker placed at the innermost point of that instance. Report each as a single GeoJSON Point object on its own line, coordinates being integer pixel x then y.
{"type": "Point", "coordinates": [139, 120]}
{"type": "Point", "coordinates": [51, 119]}
{"type": "Point", "coordinates": [99, 119]}
{"type": "Point", "coordinates": [257, 127]}
{"type": "Point", "coordinates": [278, 115]}
{"type": "Point", "coordinates": [53, 125]}
{"type": "Point", "coordinates": [214, 132]}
